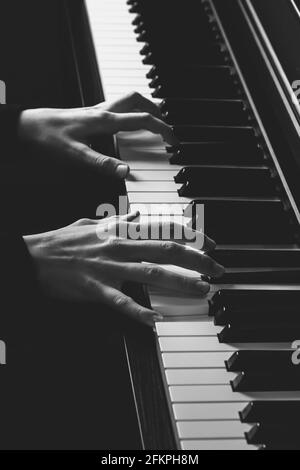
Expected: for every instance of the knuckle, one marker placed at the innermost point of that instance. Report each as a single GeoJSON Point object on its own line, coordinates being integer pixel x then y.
{"type": "Point", "coordinates": [171, 248]}
{"type": "Point", "coordinates": [103, 162]}
{"type": "Point", "coordinates": [112, 243]}
{"type": "Point", "coordinates": [153, 272]}
{"type": "Point", "coordinates": [134, 96]}
{"type": "Point", "coordinates": [106, 116]}
{"type": "Point", "coordinates": [121, 302]}
{"type": "Point", "coordinates": [146, 117]}
{"type": "Point", "coordinates": [84, 221]}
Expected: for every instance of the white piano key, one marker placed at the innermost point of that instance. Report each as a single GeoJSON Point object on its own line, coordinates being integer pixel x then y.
{"type": "Point", "coordinates": [160, 165]}
{"type": "Point", "coordinates": [156, 219]}
{"type": "Point", "coordinates": [217, 444]}
{"type": "Point", "coordinates": [154, 175]}
{"type": "Point", "coordinates": [179, 306]}
{"type": "Point", "coordinates": [158, 198]}
{"type": "Point", "coordinates": [195, 360]}
{"type": "Point", "coordinates": [212, 429]}
{"type": "Point", "coordinates": [152, 186]}
{"type": "Point", "coordinates": [199, 376]}
{"type": "Point", "coordinates": [158, 209]}
{"type": "Point", "coordinates": [195, 328]}
{"type": "Point", "coordinates": [223, 394]}
{"type": "Point", "coordinates": [135, 141]}
{"type": "Point", "coordinates": [142, 153]}
{"type": "Point", "coordinates": [202, 343]}
{"type": "Point", "coordinates": [207, 411]}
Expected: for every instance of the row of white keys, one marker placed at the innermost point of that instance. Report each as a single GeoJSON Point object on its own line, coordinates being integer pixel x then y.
{"type": "Point", "coordinates": [142, 150]}
{"type": "Point", "coordinates": [117, 50]}
{"type": "Point", "coordinates": [206, 409]}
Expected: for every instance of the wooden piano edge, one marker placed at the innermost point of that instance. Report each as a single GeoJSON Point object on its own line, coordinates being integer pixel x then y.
{"type": "Point", "coordinates": [149, 392]}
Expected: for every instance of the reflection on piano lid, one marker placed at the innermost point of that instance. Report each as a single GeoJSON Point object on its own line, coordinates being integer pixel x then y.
{"type": "Point", "coordinates": [219, 356]}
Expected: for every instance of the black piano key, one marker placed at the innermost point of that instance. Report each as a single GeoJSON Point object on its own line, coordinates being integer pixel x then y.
{"type": "Point", "coordinates": [191, 89]}
{"type": "Point", "coordinates": [257, 315]}
{"type": "Point", "coordinates": [259, 333]}
{"type": "Point", "coordinates": [146, 49]}
{"type": "Point", "coordinates": [258, 276]}
{"type": "Point", "coordinates": [208, 54]}
{"type": "Point", "coordinates": [240, 222]}
{"type": "Point", "coordinates": [276, 436]}
{"type": "Point", "coordinates": [138, 19]}
{"type": "Point", "coordinates": [210, 85]}
{"type": "Point", "coordinates": [191, 24]}
{"type": "Point", "coordinates": [215, 134]}
{"type": "Point", "coordinates": [265, 381]}
{"type": "Point", "coordinates": [253, 299]}
{"type": "Point", "coordinates": [271, 257]}
{"type": "Point", "coordinates": [261, 361]}
{"type": "Point", "coordinates": [271, 412]}
{"type": "Point", "coordinates": [226, 182]}
{"type": "Point", "coordinates": [182, 49]}
{"type": "Point", "coordinates": [134, 8]}
{"type": "Point", "coordinates": [217, 153]}
{"type": "Point", "coordinates": [205, 112]}
{"type": "Point", "coordinates": [216, 76]}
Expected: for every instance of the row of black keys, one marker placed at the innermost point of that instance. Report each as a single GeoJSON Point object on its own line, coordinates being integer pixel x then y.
{"type": "Point", "coordinates": [277, 424]}
{"type": "Point", "coordinates": [263, 316]}
{"type": "Point", "coordinates": [257, 316]}
{"type": "Point", "coordinates": [214, 127]}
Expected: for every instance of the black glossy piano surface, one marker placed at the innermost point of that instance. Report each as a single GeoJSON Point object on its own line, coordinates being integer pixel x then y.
{"type": "Point", "coordinates": [66, 386]}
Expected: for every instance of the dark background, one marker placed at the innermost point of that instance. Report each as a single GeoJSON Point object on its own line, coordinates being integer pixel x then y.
{"type": "Point", "coordinates": [66, 383]}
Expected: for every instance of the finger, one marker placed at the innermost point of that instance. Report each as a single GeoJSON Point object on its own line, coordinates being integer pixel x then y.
{"type": "Point", "coordinates": [170, 230]}
{"type": "Point", "coordinates": [167, 252]}
{"type": "Point", "coordinates": [131, 102]}
{"type": "Point", "coordinates": [209, 244]}
{"type": "Point", "coordinates": [154, 275]}
{"type": "Point", "coordinates": [166, 228]}
{"type": "Point", "coordinates": [129, 217]}
{"type": "Point", "coordinates": [83, 222]}
{"type": "Point", "coordinates": [124, 304]}
{"type": "Point", "coordinates": [138, 121]}
{"type": "Point", "coordinates": [103, 163]}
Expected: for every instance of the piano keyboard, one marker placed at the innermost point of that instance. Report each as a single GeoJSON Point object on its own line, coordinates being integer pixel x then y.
{"type": "Point", "coordinates": [226, 360]}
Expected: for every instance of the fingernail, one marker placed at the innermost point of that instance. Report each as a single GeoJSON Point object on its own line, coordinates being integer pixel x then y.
{"type": "Point", "coordinates": [204, 287]}
{"type": "Point", "coordinates": [157, 317]}
{"type": "Point", "coordinates": [122, 171]}
{"type": "Point", "coordinates": [219, 270]}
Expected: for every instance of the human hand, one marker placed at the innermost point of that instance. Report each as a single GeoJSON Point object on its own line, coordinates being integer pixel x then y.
{"type": "Point", "coordinates": [68, 132]}
{"type": "Point", "coordinates": [87, 262]}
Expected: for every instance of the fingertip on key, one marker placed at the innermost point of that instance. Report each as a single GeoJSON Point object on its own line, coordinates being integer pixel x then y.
{"type": "Point", "coordinates": [122, 171]}
{"type": "Point", "coordinates": [204, 287]}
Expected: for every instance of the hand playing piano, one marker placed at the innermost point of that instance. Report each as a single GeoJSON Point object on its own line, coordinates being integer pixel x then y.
{"type": "Point", "coordinates": [68, 132]}
{"type": "Point", "coordinates": [90, 261]}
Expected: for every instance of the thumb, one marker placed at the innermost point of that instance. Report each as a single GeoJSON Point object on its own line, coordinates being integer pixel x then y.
{"type": "Point", "coordinates": [103, 163]}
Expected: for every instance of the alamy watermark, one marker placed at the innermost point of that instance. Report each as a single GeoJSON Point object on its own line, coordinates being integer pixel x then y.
{"type": "Point", "coordinates": [155, 222]}
{"type": "Point", "coordinates": [296, 88]}
{"type": "Point", "coordinates": [2, 92]}
{"type": "Point", "coordinates": [2, 353]}
{"type": "Point", "coordinates": [296, 353]}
